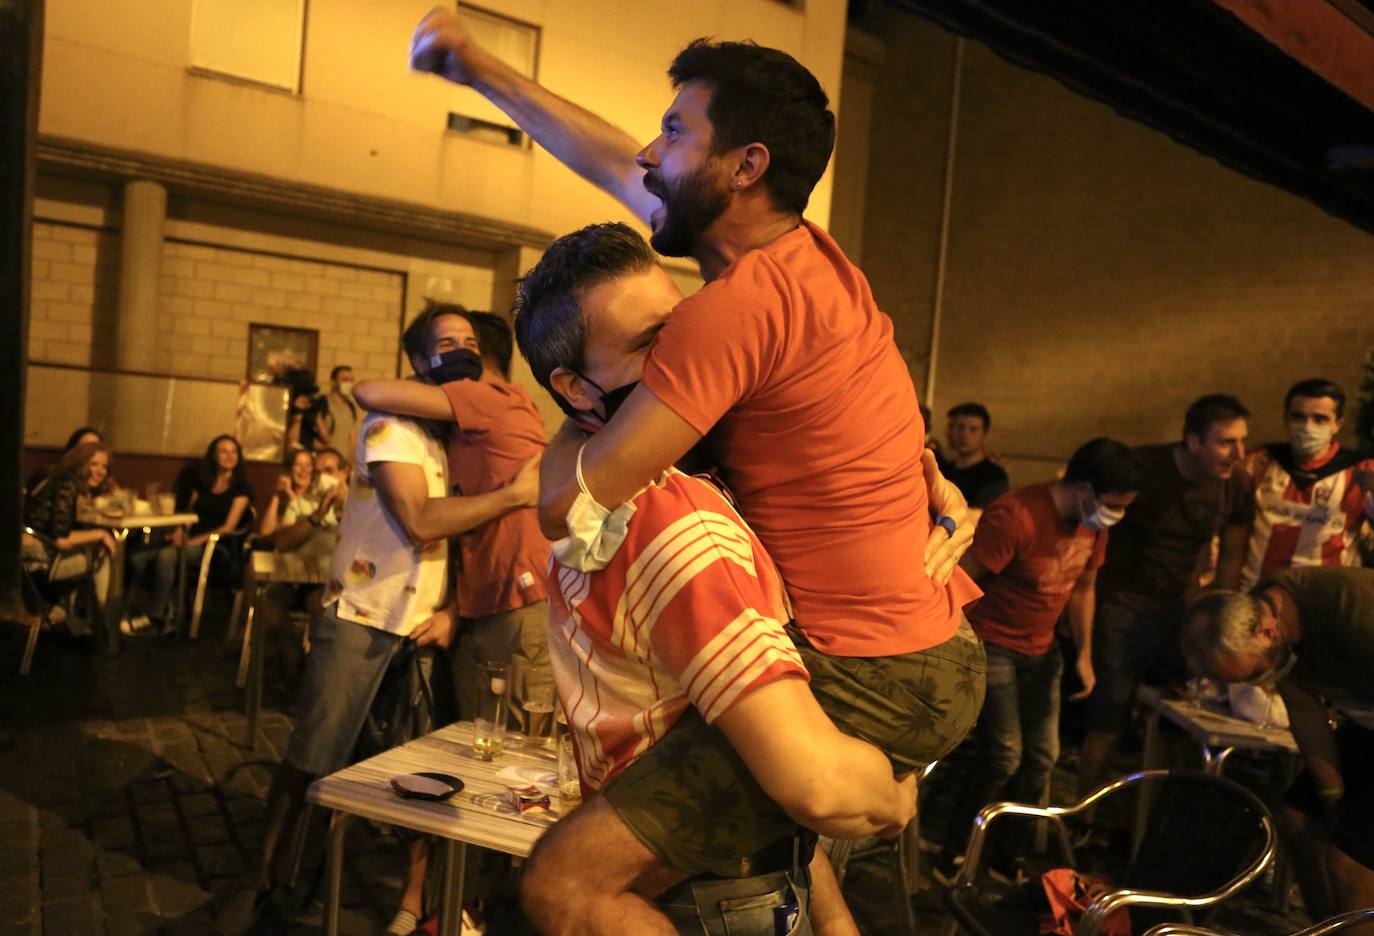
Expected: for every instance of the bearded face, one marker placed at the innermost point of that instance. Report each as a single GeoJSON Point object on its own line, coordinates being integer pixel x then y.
{"type": "Point", "coordinates": [691, 204]}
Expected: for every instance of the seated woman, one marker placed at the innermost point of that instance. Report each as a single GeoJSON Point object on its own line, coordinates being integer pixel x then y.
{"type": "Point", "coordinates": [303, 516]}
{"type": "Point", "coordinates": [79, 476]}
{"type": "Point", "coordinates": [218, 493]}
{"type": "Point", "coordinates": [79, 436]}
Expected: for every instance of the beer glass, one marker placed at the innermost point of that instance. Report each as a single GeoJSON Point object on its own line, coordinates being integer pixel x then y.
{"type": "Point", "coordinates": [489, 727]}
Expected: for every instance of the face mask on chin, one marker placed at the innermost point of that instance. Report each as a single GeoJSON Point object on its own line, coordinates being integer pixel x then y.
{"type": "Point", "coordinates": [458, 364]}
{"type": "Point", "coordinates": [1285, 660]}
{"type": "Point", "coordinates": [1309, 440]}
{"type": "Point", "coordinates": [1101, 517]}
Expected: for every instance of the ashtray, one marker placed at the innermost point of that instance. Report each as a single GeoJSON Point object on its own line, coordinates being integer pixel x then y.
{"type": "Point", "coordinates": [426, 786]}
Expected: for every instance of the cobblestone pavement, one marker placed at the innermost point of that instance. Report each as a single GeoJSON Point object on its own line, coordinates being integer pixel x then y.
{"type": "Point", "coordinates": [131, 802]}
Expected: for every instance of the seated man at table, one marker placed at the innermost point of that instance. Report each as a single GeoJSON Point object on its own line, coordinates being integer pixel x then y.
{"type": "Point", "coordinates": [387, 588]}
{"type": "Point", "coordinates": [1310, 632]}
{"type": "Point", "coordinates": [685, 623]}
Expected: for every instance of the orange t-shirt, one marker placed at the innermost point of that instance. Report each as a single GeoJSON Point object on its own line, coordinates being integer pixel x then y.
{"type": "Point", "coordinates": [503, 561]}
{"type": "Point", "coordinates": [789, 366]}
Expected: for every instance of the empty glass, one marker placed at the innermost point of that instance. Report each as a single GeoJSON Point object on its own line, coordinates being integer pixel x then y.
{"type": "Point", "coordinates": [489, 726]}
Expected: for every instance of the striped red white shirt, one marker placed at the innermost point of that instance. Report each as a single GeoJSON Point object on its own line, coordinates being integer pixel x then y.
{"type": "Point", "coordinates": [689, 611]}
{"type": "Point", "coordinates": [1305, 515]}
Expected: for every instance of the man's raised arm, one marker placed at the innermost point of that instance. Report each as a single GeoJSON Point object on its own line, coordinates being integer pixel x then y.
{"type": "Point", "coordinates": [602, 154]}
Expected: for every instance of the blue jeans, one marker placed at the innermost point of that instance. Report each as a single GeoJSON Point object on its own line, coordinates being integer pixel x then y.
{"type": "Point", "coordinates": [1016, 741]}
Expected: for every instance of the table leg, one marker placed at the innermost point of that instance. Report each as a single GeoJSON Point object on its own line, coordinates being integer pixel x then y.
{"type": "Point", "coordinates": [338, 828]}
{"type": "Point", "coordinates": [255, 665]}
{"type": "Point", "coordinates": [176, 611]}
{"type": "Point", "coordinates": [114, 601]}
{"type": "Point", "coordinates": [1149, 760]}
{"type": "Point", "coordinates": [451, 907]}
{"type": "Point", "coordinates": [1214, 763]}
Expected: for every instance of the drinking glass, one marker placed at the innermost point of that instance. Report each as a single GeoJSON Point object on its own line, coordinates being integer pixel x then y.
{"type": "Point", "coordinates": [569, 786]}
{"type": "Point", "coordinates": [538, 714]}
{"type": "Point", "coordinates": [489, 727]}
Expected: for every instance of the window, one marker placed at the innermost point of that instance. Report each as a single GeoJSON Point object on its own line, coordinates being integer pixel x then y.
{"type": "Point", "coordinates": [256, 40]}
{"type": "Point", "coordinates": [516, 44]}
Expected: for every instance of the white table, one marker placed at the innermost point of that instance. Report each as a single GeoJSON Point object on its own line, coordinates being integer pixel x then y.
{"type": "Point", "coordinates": [119, 527]}
{"type": "Point", "coordinates": [1219, 733]}
{"type": "Point", "coordinates": [479, 815]}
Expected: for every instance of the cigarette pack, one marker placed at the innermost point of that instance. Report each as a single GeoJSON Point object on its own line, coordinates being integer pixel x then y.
{"type": "Point", "coordinates": [527, 797]}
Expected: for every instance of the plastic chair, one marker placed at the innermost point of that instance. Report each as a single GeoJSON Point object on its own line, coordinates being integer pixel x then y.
{"type": "Point", "coordinates": [73, 570]}
{"type": "Point", "coordinates": [1334, 925]}
{"type": "Point", "coordinates": [1206, 839]}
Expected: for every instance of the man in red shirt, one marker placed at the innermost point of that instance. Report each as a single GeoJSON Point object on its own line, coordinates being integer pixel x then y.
{"type": "Point", "coordinates": [1312, 495]}
{"type": "Point", "coordinates": [1037, 550]}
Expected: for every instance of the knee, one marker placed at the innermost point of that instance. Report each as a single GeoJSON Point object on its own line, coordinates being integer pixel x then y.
{"type": "Point", "coordinates": [548, 896]}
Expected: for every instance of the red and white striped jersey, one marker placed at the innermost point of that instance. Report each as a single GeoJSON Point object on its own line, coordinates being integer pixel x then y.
{"type": "Point", "coordinates": [689, 611]}
{"type": "Point", "coordinates": [1305, 515]}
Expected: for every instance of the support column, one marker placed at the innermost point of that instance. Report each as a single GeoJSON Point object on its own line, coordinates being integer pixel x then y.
{"type": "Point", "coordinates": [145, 216]}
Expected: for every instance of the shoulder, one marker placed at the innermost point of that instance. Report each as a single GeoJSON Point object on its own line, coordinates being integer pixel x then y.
{"type": "Point", "coordinates": [677, 497]}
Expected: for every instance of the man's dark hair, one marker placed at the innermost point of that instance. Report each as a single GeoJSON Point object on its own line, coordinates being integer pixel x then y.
{"type": "Point", "coordinates": [494, 338]}
{"type": "Point", "coordinates": [761, 95]}
{"type": "Point", "coordinates": [971, 409]}
{"type": "Point", "coordinates": [330, 450]}
{"type": "Point", "coordinates": [549, 325]}
{"type": "Point", "coordinates": [1315, 389]}
{"type": "Point", "coordinates": [338, 368]}
{"type": "Point", "coordinates": [1107, 465]}
{"type": "Point", "coordinates": [415, 339]}
{"type": "Point", "coordinates": [1212, 408]}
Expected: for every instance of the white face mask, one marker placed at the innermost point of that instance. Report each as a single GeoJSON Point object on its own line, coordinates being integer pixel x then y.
{"type": "Point", "coordinates": [1101, 517]}
{"type": "Point", "coordinates": [594, 533]}
{"type": "Point", "coordinates": [346, 387]}
{"type": "Point", "coordinates": [1309, 440]}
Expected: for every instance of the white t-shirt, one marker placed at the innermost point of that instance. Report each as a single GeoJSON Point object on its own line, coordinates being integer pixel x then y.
{"type": "Point", "coordinates": [378, 578]}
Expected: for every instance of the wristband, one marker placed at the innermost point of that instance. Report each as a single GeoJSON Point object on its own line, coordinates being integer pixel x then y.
{"type": "Point", "coordinates": [946, 521]}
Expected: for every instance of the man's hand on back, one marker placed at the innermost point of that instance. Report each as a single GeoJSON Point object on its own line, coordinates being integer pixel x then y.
{"type": "Point", "coordinates": [443, 46]}
{"type": "Point", "coordinates": [525, 485]}
{"type": "Point", "coordinates": [437, 630]}
{"type": "Point", "coordinates": [944, 549]}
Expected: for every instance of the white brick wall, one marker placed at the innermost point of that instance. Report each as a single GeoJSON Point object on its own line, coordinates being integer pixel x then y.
{"type": "Point", "coordinates": [75, 291]}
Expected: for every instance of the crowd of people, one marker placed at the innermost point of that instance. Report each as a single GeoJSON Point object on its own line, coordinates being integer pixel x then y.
{"type": "Point", "coordinates": [765, 603]}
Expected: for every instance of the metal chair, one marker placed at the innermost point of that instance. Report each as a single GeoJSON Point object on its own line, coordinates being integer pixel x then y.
{"type": "Point", "coordinates": [1207, 838]}
{"type": "Point", "coordinates": [1334, 925]}
{"type": "Point", "coordinates": [235, 541]}
{"type": "Point", "coordinates": [72, 569]}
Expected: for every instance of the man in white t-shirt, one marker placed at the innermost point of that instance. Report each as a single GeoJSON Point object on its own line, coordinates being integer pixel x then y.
{"type": "Point", "coordinates": [387, 586]}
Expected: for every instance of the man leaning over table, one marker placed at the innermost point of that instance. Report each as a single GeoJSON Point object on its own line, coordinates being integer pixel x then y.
{"type": "Point", "coordinates": [387, 587]}
{"type": "Point", "coordinates": [1310, 632]}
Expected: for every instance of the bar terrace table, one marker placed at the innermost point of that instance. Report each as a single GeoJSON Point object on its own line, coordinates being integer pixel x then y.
{"type": "Point", "coordinates": [478, 815]}
{"type": "Point", "coordinates": [119, 527]}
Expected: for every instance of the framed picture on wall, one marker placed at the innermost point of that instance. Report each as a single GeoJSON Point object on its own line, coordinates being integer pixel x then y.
{"type": "Point", "coordinates": [273, 352]}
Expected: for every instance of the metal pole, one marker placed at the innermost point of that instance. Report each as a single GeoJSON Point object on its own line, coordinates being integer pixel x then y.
{"type": "Point", "coordinates": [938, 300]}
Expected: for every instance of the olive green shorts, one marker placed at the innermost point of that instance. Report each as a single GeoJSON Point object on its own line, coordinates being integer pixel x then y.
{"type": "Point", "coordinates": [693, 802]}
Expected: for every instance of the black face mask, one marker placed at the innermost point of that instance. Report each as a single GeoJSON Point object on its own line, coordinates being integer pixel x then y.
{"type": "Point", "coordinates": [611, 400]}
{"type": "Point", "coordinates": [458, 364]}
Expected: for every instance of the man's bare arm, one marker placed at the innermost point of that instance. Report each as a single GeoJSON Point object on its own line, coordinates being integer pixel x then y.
{"type": "Point", "coordinates": [404, 491]}
{"type": "Point", "coordinates": [404, 398]}
{"type": "Point", "coordinates": [596, 150]}
{"type": "Point", "coordinates": [1231, 555]}
{"type": "Point", "coordinates": [1082, 607]}
{"type": "Point", "coordinates": [1308, 719]}
{"type": "Point", "coordinates": [824, 779]}
{"type": "Point", "coordinates": [643, 440]}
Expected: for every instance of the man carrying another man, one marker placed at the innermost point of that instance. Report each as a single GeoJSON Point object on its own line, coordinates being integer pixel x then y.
{"type": "Point", "coordinates": [1310, 632]}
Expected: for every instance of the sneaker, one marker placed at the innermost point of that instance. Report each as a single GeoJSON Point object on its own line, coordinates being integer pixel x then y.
{"type": "Point", "coordinates": [138, 626]}
{"type": "Point", "coordinates": [404, 923]}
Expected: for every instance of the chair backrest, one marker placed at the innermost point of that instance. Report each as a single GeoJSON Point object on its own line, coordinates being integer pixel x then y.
{"type": "Point", "coordinates": [1335, 924]}
{"type": "Point", "coordinates": [1199, 833]}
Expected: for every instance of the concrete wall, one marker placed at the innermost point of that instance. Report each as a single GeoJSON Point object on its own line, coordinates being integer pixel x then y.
{"type": "Point", "coordinates": [1100, 275]}
{"type": "Point", "coordinates": [116, 72]}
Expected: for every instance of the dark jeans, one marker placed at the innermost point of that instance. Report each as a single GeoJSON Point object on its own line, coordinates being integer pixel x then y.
{"type": "Point", "coordinates": [1016, 741]}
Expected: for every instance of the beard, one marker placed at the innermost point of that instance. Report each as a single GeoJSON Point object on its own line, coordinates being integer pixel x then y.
{"type": "Point", "coordinates": [690, 206]}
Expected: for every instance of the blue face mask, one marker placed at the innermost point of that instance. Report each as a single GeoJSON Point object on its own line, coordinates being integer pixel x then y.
{"type": "Point", "coordinates": [458, 364]}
